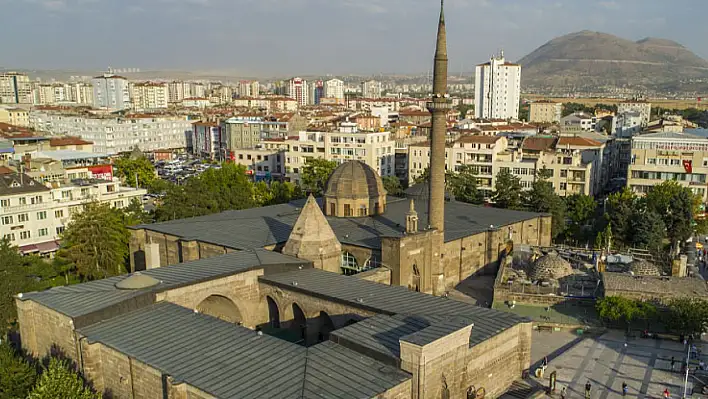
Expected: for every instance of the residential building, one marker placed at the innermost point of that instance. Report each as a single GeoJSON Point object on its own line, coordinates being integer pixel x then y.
{"type": "Point", "coordinates": [545, 111]}
{"type": "Point", "coordinates": [81, 93]}
{"type": "Point", "coordinates": [334, 88]}
{"type": "Point", "coordinates": [206, 140]}
{"type": "Point", "coordinates": [260, 163]}
{"type": "Point", "coordinates": [669, 156]}
{"type": "Point", "coordinates": [178, 91]}
{"type": "Point", "coordinates": [497, 89]}
{"type": "Point", "coordinates": [628, 124]}
{"type": "Point", "coordinates": [317, 92]}
{"type": "Point", "coordinates": [14, 116]}
{"type": "Point", "coordinates": [578, 122]}
{"type": "Point", "coordinates": [113, 135]}
{"type": "Point", "coordinates": [241, 132]}
{"type": "Point", "coordinates": [33, 216]}
{"type": "Point", "coordinates": [50, 94]}
{"type": "Point", "coordinates": [371, 89]}
{"type": "Point", "coordinates": [297, 90]}
{"type": "Point", "coordinates": [249, 88]}
{"type": "Point", "coordinates": [149, 96]}
{"type": "Point", "coordinates": [15, 88]}
{"type": "Point", "coordinates": [111, 92]}
{"type": "Point", "coordinates": [196, 102]}
{"type": "Point", "coordinates": [642, 107]}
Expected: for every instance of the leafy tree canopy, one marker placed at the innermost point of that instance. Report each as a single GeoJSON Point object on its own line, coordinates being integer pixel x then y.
{"type": "Point", "coordinates": [507, 190]}
{"type": "Point", "coordinates": [687, 315]}
{"type": "Point", "coordinates": [676, 204]}
{"type": "Point", "coordinates": [315, 174]}
{"type": "Point", "coordinates": [128, 167]}
{"type": "Point", "coordinates": [581, 210]}
{"type": "Point", "coordinates": [463, 185]}
{"type": "Point", "coordinates": [17, 376]}
{"type": "Point", "coordinates": [393, 186]}
{"type": "Point", "coordinates": [59, 381]}
{"type": "Point", "coordinates": [543, 198]}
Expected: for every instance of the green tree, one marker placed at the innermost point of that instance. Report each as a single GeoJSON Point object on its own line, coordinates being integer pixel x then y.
{"type": "Point", "coordinates": [393, 186]}
{"type": "Point", "coordinates": [616, 309]}
{"type": "Point", "coordinates": [675, 204]}
{"type": "Point", "coordinates": [315, 174]}
{"type": "Point", "coordinates": [17, 376]}
{"type": "Point", "coordinates": [646, 230]}
{"type": "Point", "coordinates": [619, 211]}
{"type": "Point", "coordinates": [58, 381]}
{"type": "Point", "coordinates": [687, 316]}
{"type": "Point", "coordinates": [465, 109]}
{"type": "Point", "coordinates": [262, 194]}
{"type": "Point", "coordinates": [423, 177]}
{"type": "Point", "coordinates": [543, 198]}
{"type": "Point", "coordinates": [284, 192]}
{"type": "Point", "coordinates": [214, 191]}
{"type": "Point", "coordinates": [507, 190]}
{"type": "Point", "coordinates": [96, 242]}
{"type": "Point", "coordinates": [135, 213]}
{"type": "Point", "coordinates": [128, 167]}
{"type": "Point", "coordinates": [580, 212]}
{"type": "Point", "coordinates": [463, 185]}
{"type": "Point", "coordinates": [569, 108]}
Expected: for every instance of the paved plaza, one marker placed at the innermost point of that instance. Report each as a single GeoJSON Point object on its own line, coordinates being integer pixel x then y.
{"type": "Point", "coordinates": [605, 361]}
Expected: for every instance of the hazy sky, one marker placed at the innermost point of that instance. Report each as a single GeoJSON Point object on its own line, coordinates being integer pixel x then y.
{"type": "Point", "coordinates": [288, 37]}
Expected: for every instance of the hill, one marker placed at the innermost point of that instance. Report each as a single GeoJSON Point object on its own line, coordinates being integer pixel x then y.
{"type": "Point", "coordinates": [595, 59]}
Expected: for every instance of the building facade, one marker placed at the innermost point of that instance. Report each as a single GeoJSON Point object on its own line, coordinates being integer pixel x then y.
{"type": "Point", "coordinates": [297, 90]}
{"type": "Point", "coordinates": [111, 92]}
{"type": "Point", "coordinates": [371, 89]}
{"type": "Point", "coordinates": [497, 89]}
{"type": "Point", "coordinates": [207, 140]}
{"type": "Point", "coordinates": [334, 88]}
{"type": "Point", "coordinates": [241, 132]}
{"type": "Point", "coordinates": [147, 96]}
{"type": "Point", "coordinates": [15, 88]}
{"type": "Point", "coordinates": [14, 116]}
{"type": "Point", "coordinates": [545, 111]}
{"type": "Point", "coordinates": [642, 107]}
{"type": "Point", "coordinates": [660, 157]}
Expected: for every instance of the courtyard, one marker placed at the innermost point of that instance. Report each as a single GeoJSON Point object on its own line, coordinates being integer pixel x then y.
{"type": "Point", "coordinates": [605, 361]}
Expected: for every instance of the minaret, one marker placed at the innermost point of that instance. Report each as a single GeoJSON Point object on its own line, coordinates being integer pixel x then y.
{"type": "Point", "coordinates": [439, 106]}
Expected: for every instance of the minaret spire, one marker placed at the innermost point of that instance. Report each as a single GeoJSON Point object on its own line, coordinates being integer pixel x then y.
{"type": "Point", "coordinates": [439, 106]}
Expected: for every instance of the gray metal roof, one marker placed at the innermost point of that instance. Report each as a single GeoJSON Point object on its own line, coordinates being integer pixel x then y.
{"type": "Point", "coordinates": [83, 299]}
{"type": "Point", "coordinates": [444, 314]}
{"type": "Point", "coordinates": [16, 183]}
{"type": "Point", "coordinates": [229, 361]}
{"type": "Point", "coordinates": [260, 227]}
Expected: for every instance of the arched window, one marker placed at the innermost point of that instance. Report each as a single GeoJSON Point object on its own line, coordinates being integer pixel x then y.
{"type": "Point", "coordinates": [349, 264]}
{"type": "Point", "coordinates": [373, 262]}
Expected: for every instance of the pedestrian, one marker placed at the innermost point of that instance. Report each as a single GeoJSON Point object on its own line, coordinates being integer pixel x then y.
{"type": "Point", "coordinates": [673, 361]}
{"type": "Point", "coordinates": [625, 388]}
{"type": "Point", "coordinates": [588, 387]}
{"type": "Point", "coordinates": [666, 393]}
{"type": "Point", "coordinates": [545, 362]}
{"type": "Point", "coordinates": [563, 393]}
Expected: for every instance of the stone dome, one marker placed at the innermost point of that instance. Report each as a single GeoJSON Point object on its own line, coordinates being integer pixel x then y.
{"type": "Point", "coordinates": [641, 267]}
{"type": "Point", "coordinates": [354, 189]}
{"type": "Point", "coordinates": [137, 281]}
{"type": "Point", "coordinates": [550, 267]}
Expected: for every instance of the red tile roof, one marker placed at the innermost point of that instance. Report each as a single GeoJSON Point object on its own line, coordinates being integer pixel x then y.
{"type": "Point", "coordinates": [539, 143]}
{"type": "Point", "coordinates": [68, 140]}
{"type": "Point", "coordinates": [578, 142]}
{"type": "Point", "coordinates": [478, 139]}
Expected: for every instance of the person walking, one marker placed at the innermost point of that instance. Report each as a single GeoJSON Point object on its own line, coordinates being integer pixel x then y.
{"type": "Point", "coordinates": [625, 388]}
{"type": "Point", "coordinates": [563, 393]}
{"type": "Point", "coordinates": [666, 393]}
{"type": "Point", "coordinates": [588, 387]}
{"type": "Point", "coordinates": [673, 361]}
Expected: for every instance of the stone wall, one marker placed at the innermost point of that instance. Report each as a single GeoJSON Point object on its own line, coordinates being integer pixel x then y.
{"type": "Point", "coordinates": [173, 249]}
{"type": "Point", "coordinates": [381, 275]}
{"type": "Point", "coordinates": [42, 330]}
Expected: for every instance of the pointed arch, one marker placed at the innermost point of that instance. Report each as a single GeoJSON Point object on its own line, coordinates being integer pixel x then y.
{"type": "Point", "coordinates": [222, 308]}
{"type": "Point", "coordinates": [273, 313]}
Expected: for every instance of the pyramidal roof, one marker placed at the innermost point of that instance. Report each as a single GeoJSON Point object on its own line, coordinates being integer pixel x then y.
{"type": "Point", "coordinates": [312, 235]}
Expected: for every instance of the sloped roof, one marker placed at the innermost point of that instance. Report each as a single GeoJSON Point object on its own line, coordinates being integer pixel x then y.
{"type": "Point", "coordinates": [229, 361]}
{"type": "Point", "coordinates": [15, 183]}
{"type": "Point", "coordinates": [577, 142]}
{"type": "Point", "coordinates": [539, 143]}
{"type": "Point", "coordinates": [311, 235]}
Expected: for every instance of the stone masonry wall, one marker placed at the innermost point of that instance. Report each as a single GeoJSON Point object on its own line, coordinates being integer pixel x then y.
{"type": "Point", "coordinates": [379, 275]}
{"type": "Point", "coordinates": [42, 328]}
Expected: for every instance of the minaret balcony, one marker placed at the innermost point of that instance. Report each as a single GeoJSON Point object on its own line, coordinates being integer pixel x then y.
{"type": "Point", "coordinates": [441, 104]}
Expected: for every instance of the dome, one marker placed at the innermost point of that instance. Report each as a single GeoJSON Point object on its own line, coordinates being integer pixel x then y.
{"type": "Point", "coordinates": [354, 189]}
{"type": "Point", "coordinates": [550, 267]}
{"type": "Point", "coordinates": [641, 267]}
{"type": "Point", "coordinates": [137, 281]}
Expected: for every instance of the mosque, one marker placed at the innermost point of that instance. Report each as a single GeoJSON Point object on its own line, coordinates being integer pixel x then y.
{"type": "Point", "coordinates": [337, 297]}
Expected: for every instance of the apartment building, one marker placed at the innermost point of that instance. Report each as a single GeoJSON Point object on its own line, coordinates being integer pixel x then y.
{"type": "Point", "coordinates": [15, 88]}
{"type": "Point", "coordinates": [545, 111]}
{"type": "Point", "coordinates": [241, 132]}
{"type": "Point", "coordinates": [371, 89]}
{"type": "Point", "coordinates": [642, 107]}
{"type": "Point", "coordinates": [14, 116]}
{"type": "Point", "coordinates": [260, 163]}
{"type": "Point", "coordinates": [664, 156]}
{"type": "Point", "coordinates": [113, 135]}
{"type": "Point", "coordinates": [33, 215]}
{"type": "Point", "coordinates": [575, 163]}
{"type": "Point", "coordinates": [178, 91]}
{"type": "Point", "coordinates": [497, 89]}
{"type": "Point", "coordinates": [148, 96]}
{"type": "Point", "coordinates": [111, 92]}
{"type": "Point", "coordinates": [207, 141]}
{"type": "Point", "coordinates": [334, 88]}
{"type": "Point", "coordinates": [578, 122]}
{"type": "Point", "coordinates": [297, 90]}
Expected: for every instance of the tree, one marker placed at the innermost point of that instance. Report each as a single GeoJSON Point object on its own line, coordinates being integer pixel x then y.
{"type": "Point", "coordinates": [580, 211]}
{"type": "Point", "coordinates": [393, 186]}
{"type": "Point", "coordinates": [284, 192]}
{"type": "Point", "coordinates": [646, 230]}
{"type": "Point", "coordinates": [17, 376]}
{"type": "Point", "coordinates": [96, 242]}
{"type": "Point", "coordinates": [135, 213]}
{"type": "Point", "coordinates": [675, 204]}
{"type": "Point", "coordinates": [507, 190]}
{"type": "Point", "coordinates": [262, 194]}
{"type": "Point", "coordinates": [423, 177]}
{"type": "Point", "coordinates": [687, 316]}
{"type": "Point", "coordinates": [616, 309]}
{"type": "Point", "coordinates": [620, 208]}
{"type": "Point", "coordinates": [463, 186]}
{"type": "Point", "coordinates": [315, 174]}
{"type": "Point", "coordinates": [464, 109]}
{"type": "Point", "coordinates": [58, 381]}
{"type": "Point", "coordinates": [543, 198]}
{"type": "Point", "coordinates": [215, 190]}
{"type": "Point", "coordinates": [128, 167]}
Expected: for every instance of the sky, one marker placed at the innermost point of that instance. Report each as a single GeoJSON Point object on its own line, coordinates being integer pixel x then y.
{"type": "Point", "coordinates": [264, 38]}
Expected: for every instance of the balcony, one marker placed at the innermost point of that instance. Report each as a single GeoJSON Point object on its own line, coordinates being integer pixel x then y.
{"type": "Point", "coordinates": [25, 207]}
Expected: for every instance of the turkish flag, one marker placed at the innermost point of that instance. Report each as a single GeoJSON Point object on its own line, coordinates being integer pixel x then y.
{"type": "Point", "coordinates": [688, 166]}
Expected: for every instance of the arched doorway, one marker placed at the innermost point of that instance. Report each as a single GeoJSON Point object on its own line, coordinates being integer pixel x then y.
{"type": "Point", "coordinates": [273, 313]}
{"type": "Point", "coordinates": [222, 308]}
{"type": "Point", "coordinates": [326, 326]}
{"type": "Point", "coordinates": [299, 323]}
{"type": "Point", "coordinates": [349, 264]}
{"type": "Point", "coordinates": [415, 283]}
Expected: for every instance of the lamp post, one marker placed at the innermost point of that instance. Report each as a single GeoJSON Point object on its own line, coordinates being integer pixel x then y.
{"type": "Point", "coordinates": [688, 360]}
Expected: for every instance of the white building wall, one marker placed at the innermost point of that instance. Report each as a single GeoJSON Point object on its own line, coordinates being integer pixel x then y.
{"type": "Point", "coordinates": [497, 89]}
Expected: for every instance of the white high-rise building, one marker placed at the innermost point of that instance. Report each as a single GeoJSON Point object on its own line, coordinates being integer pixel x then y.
{"type": "Point", "coordinates": [334, 88]}
{"type": "Point", "coordinates": [297, 90]}
{"type": "Point", "coordinates": [371, 89]}
{"type": "Point", "coordinates": [497, 89]}
{"type": "Point", "coordinates": [150, 96]}
{"type": "Point", "coordinates": [178, 91]}
{"type": "Point", "coordinates": [249, 88]}
{"type": "Point", "coordinates": [111, 92]}
{"type": "Point", "coordinates": [15, 88]}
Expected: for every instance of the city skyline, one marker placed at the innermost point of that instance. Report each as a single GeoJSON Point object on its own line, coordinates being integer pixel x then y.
{"type": "Point", "coordinates": [208, 35]}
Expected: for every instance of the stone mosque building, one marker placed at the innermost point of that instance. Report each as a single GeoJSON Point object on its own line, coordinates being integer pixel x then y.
{"type": "Point", "coordinates": [337, 297]}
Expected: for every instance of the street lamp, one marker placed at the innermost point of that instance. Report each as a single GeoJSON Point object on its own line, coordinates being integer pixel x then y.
{"type": "Point", "coordinates": [688, 360]}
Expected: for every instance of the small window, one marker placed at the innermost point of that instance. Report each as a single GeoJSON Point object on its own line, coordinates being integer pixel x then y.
{"type": "Point", "coordinates": [25, 235]}
{"type": "Point", "coordinates": [22, 218]}
{"type": "Point", "coordinates": [60, 230]}
{"type": "Point", "coordinates": [59, 214]}
{"type": "Point", "coordinates": [362, 210]}
{"type": "Point", "coordinates": [43, 232]}
{"type": "Point", "coordinates": [6, 220]}
{"type": "Point", "coordinates": [41, 215]}
{"type": "Point", "coordinates": [9, 237]}
{"type": "Point", "coordinates": [347, 210]}
{"type": "Point", "coordinates": [332, 209]}
{"type": "Point", "coordinates": [5, 203]}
